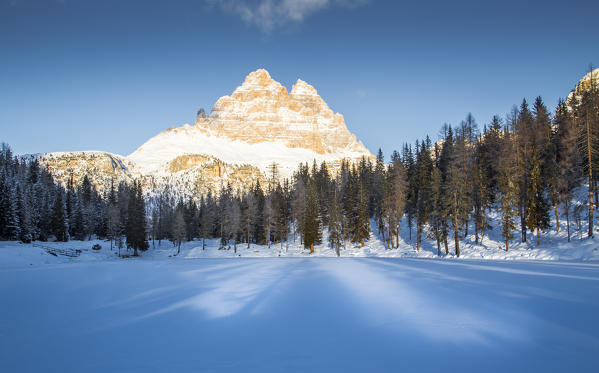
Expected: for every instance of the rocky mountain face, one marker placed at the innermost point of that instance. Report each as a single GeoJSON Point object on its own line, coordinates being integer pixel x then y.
{"type": "Point", "coordinates": [237, 143]}
{"type": "Point", "coordinates": [592, 77]}
{"type": "Point", "coordinates": [261, 110]}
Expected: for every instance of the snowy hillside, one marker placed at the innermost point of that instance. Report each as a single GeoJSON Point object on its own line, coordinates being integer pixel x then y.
{"type": "Point", "coordinates": [153, 156]}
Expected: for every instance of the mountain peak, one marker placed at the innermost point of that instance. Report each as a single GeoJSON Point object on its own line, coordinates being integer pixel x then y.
{"type": "Point", "coordinates": [303, 88]}
{"type": "Point", "coordinates": [258, 124]}
{"type": "Point", "coordinates": [260, 77]}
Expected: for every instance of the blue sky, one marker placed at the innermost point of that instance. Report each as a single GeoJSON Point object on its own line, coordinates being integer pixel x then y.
{"type": "Point", "coordinates": [108, 75]}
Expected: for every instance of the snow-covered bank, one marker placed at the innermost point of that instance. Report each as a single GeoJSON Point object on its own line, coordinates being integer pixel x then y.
{"type": "Point", "coordinates": [308, 315]}
{"type": "Point", "coordinates": [554, 246]}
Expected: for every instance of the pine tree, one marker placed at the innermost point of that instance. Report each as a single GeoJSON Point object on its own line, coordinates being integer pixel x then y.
{"type": "Point", "coordinates": [234, 222]}
{"type": "Point", "coordinates": [311, 228]}
{"type": "Point", "coordinates": [258, 219]}
{"type": "Point", "coordinates": [436, 213]}
{"type": "Point", "coordinates": [25, 228]}
{"type": "Point", "coordinates": [135, 230]}
{"type": "Point", "coordinates": [408, 161]}
{"type": "Point", "coordinates": [207, 218]}
{"type": "Point", "coordinates": [569, 173]}
{"type": "Point", "coordinates": [523, 123]}
{"type": "Point", "coordinates": [424, 168]}
{"type": "Point", "coordinates": [479, 196]}
{"type": "Point", "coordinates": [335, 223]}
{"type": "Point", "coordinates": [77, 225]}
{"type": "Point", "coordinates": [178, 229]}
{"type": "Point", "coordinates": [396, 195]}
{"type": "Point", "coordinates": [507, 197]}
{"type": "Point", "coordinates": [59, 223]}
{"type": "Point", "coordinates": [537, 216]}
{"type": "Point", "coordinates": [12, 229]}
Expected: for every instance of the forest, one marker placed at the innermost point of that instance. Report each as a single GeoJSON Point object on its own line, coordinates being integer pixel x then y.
{"type": "Point", "coordinates": [527, 167]}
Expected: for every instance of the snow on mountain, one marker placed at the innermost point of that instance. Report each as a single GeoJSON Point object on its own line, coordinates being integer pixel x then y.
{"type": "Point", "coordinates": [245, 133]}
{"type": "Point", "coordinates": [592, 77]}
{"type": "Point", "coordinates": [260, 123]}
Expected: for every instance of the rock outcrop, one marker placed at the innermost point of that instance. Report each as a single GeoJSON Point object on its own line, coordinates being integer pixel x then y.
{"type": "Point", "coordinates": [261, 110]}
{"type": "Point", "coordinates": [592, 77]}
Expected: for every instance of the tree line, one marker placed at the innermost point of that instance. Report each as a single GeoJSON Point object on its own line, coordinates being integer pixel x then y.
{"type": "Point", "coordinates": [525, 168]}
{"type": "Point", "coordinates": [33, 207]}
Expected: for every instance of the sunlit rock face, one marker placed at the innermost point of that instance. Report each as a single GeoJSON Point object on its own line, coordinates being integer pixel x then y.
{"type": "Point", "coordinates": [592, 77]}
{"type": "Point", "coordinates": [261, 110]}
{"type": "Point", "coordinates": [260, 123]}
{"type": "Point", "coordinates": [237, 143]}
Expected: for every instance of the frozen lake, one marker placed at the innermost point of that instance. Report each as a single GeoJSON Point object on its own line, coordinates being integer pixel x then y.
{"type": "Point", "coordinates": [304, 315]}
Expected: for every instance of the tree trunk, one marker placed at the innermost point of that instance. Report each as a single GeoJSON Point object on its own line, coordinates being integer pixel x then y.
{"type": "Point", "coordinates": [507, 244]}
{"type": "Point", "coordinates": [179, 247]}
{"type": "Point", "coordinates": [445, 243]}
{"type": "Point", "coordinates": [456, 236]}
{"type": "Point", "coordinates": [538, 236]}
{"type": "Point", "coordinates": [418, 237]}
{"type": "Point", "coordinates": [522, 223]}
{"type": "Point", "coordinates": [568, 221]}
{"type": "Point", "coordinates": [556, 218]}
{"type": "Point", "coordinates": [438, 247]}
{"type": "Point", "coordinates": [590, 159]}
{"type": "Point", "coordinates": [311, 248]}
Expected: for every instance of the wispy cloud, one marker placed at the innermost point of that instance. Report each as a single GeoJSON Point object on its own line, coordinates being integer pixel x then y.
{"type": "Point", "coordinates": [271, 14]}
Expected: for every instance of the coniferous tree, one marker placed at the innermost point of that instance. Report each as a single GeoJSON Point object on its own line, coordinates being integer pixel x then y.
{"type": "Point", "coordinates": [408, 161]}
{"type": "Point", "coordinates": [178, 229]}
{"type": "Point", "coordinates": [523, 122]}
{"type": "Point", "coordinates": [136, 220]}
{"type": "Point", "coordinates": [507, 189]}
{"type": "Point", "coordinates": [537, 216]}
{"type": "Point", "coordinates": [59, 223]}
{"type": "Point", "coordinates": [569, 173]}
{"type": "Point", "coordinates": [424, 168]}
{"type": "Point", "coordinates": [311, 227]}
{"type": "Point", "coordinates": [335, 223]}
{"type": "Point", "coordinates": [436, 213]}
{"type": "Point", "coordinates": [25, 228]}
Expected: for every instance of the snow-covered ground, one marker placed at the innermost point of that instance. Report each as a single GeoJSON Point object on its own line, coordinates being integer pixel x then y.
{"type": "Point", "coordinates": [296, 314]}
{"type": "Point", "coordinates": [554, 246]}
{"type": "Point", "coordinates": [371, 310]}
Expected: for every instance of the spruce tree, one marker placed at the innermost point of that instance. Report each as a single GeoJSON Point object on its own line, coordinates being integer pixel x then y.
{"type": "Point", "coordinates": [312, 228]}
{"type": "Point", "coordinates": [59, 223]}
{"type": "Point", "coordinates": [335, 223]}
{"type": "Point", "coordinates": [537, 216]}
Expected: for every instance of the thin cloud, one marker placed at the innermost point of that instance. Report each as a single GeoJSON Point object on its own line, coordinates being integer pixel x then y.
{"type": "Point", "coordinates": [271, 14]}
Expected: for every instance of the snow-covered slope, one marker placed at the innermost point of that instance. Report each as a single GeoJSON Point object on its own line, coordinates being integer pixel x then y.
{"type": "Point", "coordinates": [260, 123]}
{"type": "Point", "coordinates": [156, 153]}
